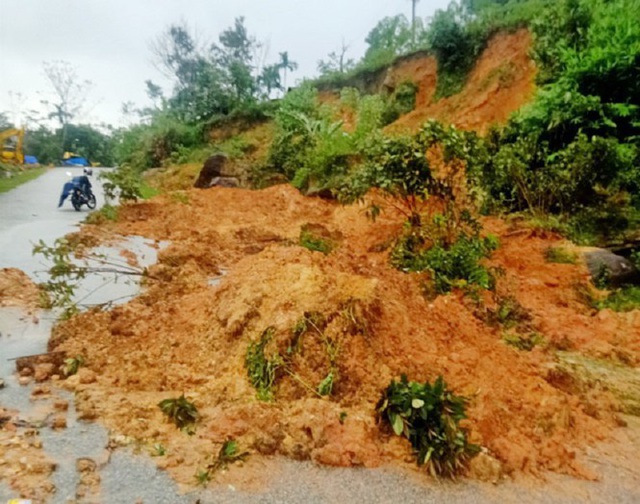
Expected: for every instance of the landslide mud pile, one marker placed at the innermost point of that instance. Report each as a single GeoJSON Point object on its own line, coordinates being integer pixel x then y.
{"type": "Point", "coordinates": [235, 269]}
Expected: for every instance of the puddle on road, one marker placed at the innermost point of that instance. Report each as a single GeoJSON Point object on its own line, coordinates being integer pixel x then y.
{"type": "Point", "coordinates": [81, 444]}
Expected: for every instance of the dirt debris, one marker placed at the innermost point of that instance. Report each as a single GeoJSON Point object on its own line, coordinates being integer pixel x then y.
{"type": "Point", "coordinates": [17, 289]}
{"type": "Point", "coordinates": [184, 335]}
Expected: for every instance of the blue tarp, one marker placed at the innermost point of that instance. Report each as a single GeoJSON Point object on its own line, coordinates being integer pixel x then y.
{"type": "Point", "coordinates": [30, 160]}
{"type": "Point", "coordinates": [76, 161]}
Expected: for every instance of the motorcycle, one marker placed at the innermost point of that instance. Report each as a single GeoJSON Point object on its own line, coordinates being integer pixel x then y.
{"type": "Point", "coordinates": [80, 197]}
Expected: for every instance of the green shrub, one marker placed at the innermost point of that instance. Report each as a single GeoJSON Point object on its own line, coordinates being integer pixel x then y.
{"type": "Point", "coordinates": [263, 370]}
{"type": "Point", "coordinates": [106, 213]}
{"type": "Point", "coordinates": [429, 417]}
{"type": "Point", "coordinates": [622, 300]}
{"type": "Point", "coordinates": [124, 183]}
{"type": "Point", "coordinates": [574, 150]}
{"type": "Point", "coordinates": [454, 265]}
{"type": "Point", "coordinates": [182, 412]}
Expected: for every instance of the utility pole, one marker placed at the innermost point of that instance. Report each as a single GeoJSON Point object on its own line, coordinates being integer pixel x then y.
{"type": "Point", "coordinates": [413, 22]}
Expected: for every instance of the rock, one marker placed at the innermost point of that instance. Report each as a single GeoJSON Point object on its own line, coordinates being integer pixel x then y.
{"type": "Point", "coordinates": [24, 380]}
{"type": "Point", "coordinates": [86, 376]}
{"type": "Point", "coordinates": [212, 170]}
{"type": "Point", "coordinates": [617, 269]}
{"type": "Point", "coordinates": [86, 465]}
{"type": "Point", "coordinates": [43, 371]}
{"type": "Point", "coordinates": [225, 182]}
{"type": "Point", "coordinates": [1, 383]}
{"type": "Point", "coordinates": [59, 422]}
{"type": "Point", "coordinates": [61, 405]}
{"type": "Point", "coordinates": [485, 468]}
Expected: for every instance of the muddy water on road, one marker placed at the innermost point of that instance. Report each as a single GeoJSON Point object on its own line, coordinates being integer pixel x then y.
{"type": "Point", "coordinates": [29, 214]}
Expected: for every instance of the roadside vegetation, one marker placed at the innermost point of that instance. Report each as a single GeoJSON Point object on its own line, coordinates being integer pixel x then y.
{"type": "Point", "coordinates": [11, 176]}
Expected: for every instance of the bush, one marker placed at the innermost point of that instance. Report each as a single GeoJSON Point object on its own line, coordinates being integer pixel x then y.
{"type": "Point", "coordinates": [429, 417]}
{"type": "Point", "coordinates": [452, 265]}
{"type": "Point", "coordinates": [182, 412]}
{"type": "Point", "coordinates": [574, 151]}
{"type": "Point", "coordinates": [123, 183]}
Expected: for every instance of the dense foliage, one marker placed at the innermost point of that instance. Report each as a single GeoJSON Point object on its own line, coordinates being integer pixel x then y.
{"type": "Point", "coordinates": [429, 417]}
{"type": "Point", "coordinates": [575, 150]}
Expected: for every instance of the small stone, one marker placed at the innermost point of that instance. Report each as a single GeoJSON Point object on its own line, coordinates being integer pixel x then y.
{"type": "Point", "coordinates": [43, 371]}
{"type": "Point", "coordinates": [26, 371]}
{"type": "Point", "coordinates": [41, 390]}
{"type": "Point", "coordinates": [86, 465]}
{"type": "Point", "coordinates": [24, 380]}
{"type": "Point", "coordinates": [1, 383]}
{"type": "Point", "coordinates": [486, 468]}
{"type": "Point", "coordinates": [59, 422]}
{"type": "Point", "coordinates": [86, 376]}
{"type": "Point", "coordinates": [61, 405]}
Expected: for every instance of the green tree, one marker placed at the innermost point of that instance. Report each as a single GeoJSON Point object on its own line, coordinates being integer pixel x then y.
{"type": "Point", "coordinates": [336, 62]}
{"type": "Point", "coordinates": [286, 64]}
{"type": "Point", "coordinates": [391, 37]}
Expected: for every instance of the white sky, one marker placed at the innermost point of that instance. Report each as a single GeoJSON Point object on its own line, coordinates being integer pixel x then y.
{"type": "Point", "coordinates": [107, 41]}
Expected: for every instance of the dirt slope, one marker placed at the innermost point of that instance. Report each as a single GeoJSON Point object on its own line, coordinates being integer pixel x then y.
{"type": "Point", "coordinates": [500, 83]}
{"type": "Point", "coordinates": [185, 335]}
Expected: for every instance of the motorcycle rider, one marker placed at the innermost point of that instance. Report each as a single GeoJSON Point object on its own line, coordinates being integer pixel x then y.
{"type": "Point", "coordinates": [81, 182]}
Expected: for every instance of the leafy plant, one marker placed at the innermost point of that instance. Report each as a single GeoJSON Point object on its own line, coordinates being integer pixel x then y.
{"type": "Point", "coordinates": [452, 265]}
{"type": "Point", "coordinates": [314, 243]}
{"type": "Point", "coordinates": [325, 387]}
{"type": "Point", "coordinates": [182, 412]}
{"type": "Point", "coordinates": [123, 183]}
{"type": "Point", "coordinates": [71, 366]}
{"type": "Point", "coordinates": [64, 275]}
{"type": "Point", "coordinates": [263, 370]}
{"type": "Point", "coordinates": [509, 313]}
{"type": "Point", "coordinates": [621, 300]}
{"type": "Point", "coordinates": [429, 417]}
{"type": "Point", "coordinates": [106, 213]}
{"type": "Point", "coordinates": [228, 454]}
{"type": "Point", "coordinates": [158, 450]}
{"type": "Point", "coordinates": [68, 269]}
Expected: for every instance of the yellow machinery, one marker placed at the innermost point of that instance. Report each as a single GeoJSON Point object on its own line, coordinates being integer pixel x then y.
{"type": "Point", "coordinates": [11, 143]}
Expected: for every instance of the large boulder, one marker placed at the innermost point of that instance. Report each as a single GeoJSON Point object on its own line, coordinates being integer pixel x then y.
{"type": "Point", "coordinates": [212, 174]}
{"type": "Point", "coordinates": [612, 268]}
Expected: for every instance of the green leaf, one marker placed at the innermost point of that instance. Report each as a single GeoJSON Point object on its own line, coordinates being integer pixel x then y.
{"type": "Point", "coordinates": [397, 424]}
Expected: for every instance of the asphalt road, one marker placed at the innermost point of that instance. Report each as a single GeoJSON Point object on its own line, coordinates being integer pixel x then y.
{"type": "Point", "coordinates": [29, 213]}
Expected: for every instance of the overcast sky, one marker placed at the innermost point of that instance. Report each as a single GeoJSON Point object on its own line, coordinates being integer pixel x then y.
{"type": "Point", "coordinates": [107, 41]}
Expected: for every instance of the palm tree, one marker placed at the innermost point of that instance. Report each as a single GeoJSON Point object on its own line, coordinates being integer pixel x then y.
{"type": "Point", "coordinates": [270, 78]}
{"type": "Point", "coordinates": [286, 64]}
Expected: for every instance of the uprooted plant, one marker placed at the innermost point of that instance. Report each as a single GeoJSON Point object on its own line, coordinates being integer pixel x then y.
{"type": "Point", "coordinates": [263, 369]}
{"type": "Point", "coordinates": [429, 417]}
{"type": "Point", "coordinates": [69, 265]}
{"type": "Point", "coordinates": [228, 454]}
{"type": "Point", "coordinates": [182, 412]}
{"type": "Point", "coordinates": [266, 364]}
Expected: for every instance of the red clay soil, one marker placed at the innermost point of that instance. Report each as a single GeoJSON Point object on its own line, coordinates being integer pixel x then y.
{"type": "Point", "coordinates": [184, 335]}
{"type": "Point", "coordinates": [502, 81]}
{"type": "Point", "coordinates": [17, 289]}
